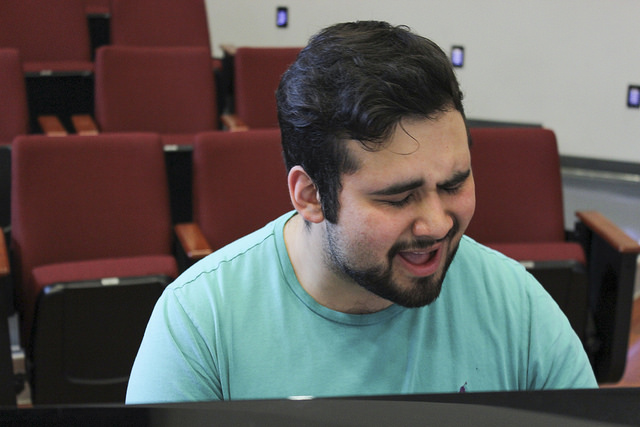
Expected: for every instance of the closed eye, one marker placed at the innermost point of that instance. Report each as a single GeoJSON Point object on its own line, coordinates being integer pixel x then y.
{"type": "Point", "coordinates": [398, 194]}
{"type": "Point", "coordinates": [399, 203]}
{"type": "Point", "coordinates": [454, 189]}
{"type": "Point", "coordinates": [454, 185]}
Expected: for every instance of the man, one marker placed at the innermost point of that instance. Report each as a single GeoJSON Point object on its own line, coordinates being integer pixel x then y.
{"type": "Point", "coordinates": [369, 287]}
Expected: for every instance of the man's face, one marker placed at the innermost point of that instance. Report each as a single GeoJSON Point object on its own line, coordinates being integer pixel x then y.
{"type": "Point", "coordinates": [403, 212]}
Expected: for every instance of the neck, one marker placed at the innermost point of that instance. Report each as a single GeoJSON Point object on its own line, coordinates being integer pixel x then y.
{"type": "Point", "coordinates": [305, 246]}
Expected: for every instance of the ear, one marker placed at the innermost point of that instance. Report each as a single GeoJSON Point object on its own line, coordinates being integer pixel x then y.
{"type": "Point", "coordinates": [304, 195]}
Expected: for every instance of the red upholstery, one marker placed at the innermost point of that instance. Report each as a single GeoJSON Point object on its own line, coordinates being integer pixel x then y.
{"type": "Point", "coordinates": [257, 75]}
{"type": "Point", "coordinates": [239, 183]}
{"type": "Point", "coordinates": [50, 35]}
{"type": "Point", "coordinates": [519, 204]}
{"type": "Point", "coordinates": [518, 185]}
{"type": "Point", "coordinates": [164, 90]}
{"type": "Point", "coordinates": [13, 107]}
{"type": "Point", "coordinates": [159, 23]}
{"type": "Point", "coordinates": [82, 199]}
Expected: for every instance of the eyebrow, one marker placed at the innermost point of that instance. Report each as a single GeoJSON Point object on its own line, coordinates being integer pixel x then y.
{"type": "Point", "coordinates": [403, 187]}
{"type": "Point", "coordinates": [399, 188]}
{"type": "Point", "coordinates": [458, 178]}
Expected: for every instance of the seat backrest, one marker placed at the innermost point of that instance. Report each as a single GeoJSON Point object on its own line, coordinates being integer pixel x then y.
{"type": "Point", "coordinates": [159, 23]}
{"type": "Point", "coordinates": [80, 198]}
{"type": "Point", "coordinates": [518, 186]}
{"type": "Point", "coordinates": [257, 73]}
{"type": "Point", "coordinates": [14, 115]}
{"type": "Point", "coordinates": [239, 183]}
{"type": "Point", "coordinates": [164, 90]}
{"type": "Point", "coordinates": [45, 31]}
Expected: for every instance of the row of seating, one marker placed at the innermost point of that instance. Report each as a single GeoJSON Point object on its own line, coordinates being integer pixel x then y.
{"type": "Point", "coordinates": [55, 37]}
{"type": "Point", "coordinates": [170, 91]}
{"type": "Point", "coordinates": [164, 89]}
{"type": "Point", "coordinates": [91, 243]}
{"type": "Point", "coordinates": [54, 45]}
{"type": "Point", "coordinates": [57, 42]}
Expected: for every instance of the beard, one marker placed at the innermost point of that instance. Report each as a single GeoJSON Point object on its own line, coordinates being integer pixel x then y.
{"type": "Point", "coordinates": [379, 279]}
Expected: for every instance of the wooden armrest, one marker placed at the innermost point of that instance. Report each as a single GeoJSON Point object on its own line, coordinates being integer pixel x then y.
{"type": "Point", "coordinates": [193, 242]}
{"type": "Point", "coordinates": [84, 124]}
{"type": "Point", "coordinates": [233, 123]}
{"type": "Point", "coordinates": [4, 256]}
{"type": "Point", "coordinates": [51, 126]}
{"type": "Point", "coordinates": [610, 232]}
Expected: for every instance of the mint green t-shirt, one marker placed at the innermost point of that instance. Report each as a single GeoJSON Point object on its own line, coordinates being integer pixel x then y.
{"type": "Point", "coordinates": [238, 325]}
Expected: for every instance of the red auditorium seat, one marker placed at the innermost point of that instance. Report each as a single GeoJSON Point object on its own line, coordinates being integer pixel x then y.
{"type": "Point", "coordinates": [92, 244]}
{"type": "Point", "coordinates": [160, 23]}
{"type": "Point", "coordinates": [52, 37]}
{"type": "Point", "coordinates": [239, 185]}
{"type": "Point", "coordinates": [257, 73]}
{"type": "Point", "coordinates": [165, 90]}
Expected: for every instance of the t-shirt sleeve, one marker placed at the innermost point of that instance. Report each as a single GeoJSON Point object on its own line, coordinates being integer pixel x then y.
{"type": "Point", "coordinates": [174, 363]}
{"type": "Point", "coordinates": [557, 359]}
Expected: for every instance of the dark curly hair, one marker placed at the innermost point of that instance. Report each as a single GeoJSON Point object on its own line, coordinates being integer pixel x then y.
{"type": "Point", "coordinates": [356, 81]}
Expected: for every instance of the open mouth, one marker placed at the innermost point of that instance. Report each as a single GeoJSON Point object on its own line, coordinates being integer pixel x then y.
{"type": "Point", "coordinates": [421, 262]}
{"type": "Point", "coordinates": [418, 258]}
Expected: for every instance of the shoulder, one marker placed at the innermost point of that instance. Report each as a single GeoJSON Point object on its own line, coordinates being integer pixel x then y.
{"type": "Point", "coordinates": [484, 274]}
{"type": "Point", "coordinates": [234, 270]}
{"type": "Point", "coordinates": [482, 261]}
{"type": "Point", "coordinates": [251, 250]}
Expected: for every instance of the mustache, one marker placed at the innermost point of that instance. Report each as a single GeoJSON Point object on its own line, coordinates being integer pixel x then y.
{"type": "Point", "coordinates": [418, 243]}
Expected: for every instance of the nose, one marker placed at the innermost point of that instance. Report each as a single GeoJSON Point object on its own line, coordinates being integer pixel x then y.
{"type": "Point", "coordinates": [432, 220]}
